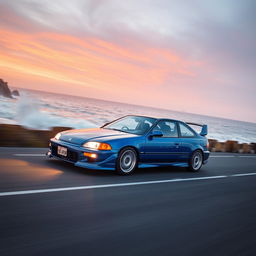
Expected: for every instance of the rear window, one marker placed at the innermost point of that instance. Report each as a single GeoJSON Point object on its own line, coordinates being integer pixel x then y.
{"type": "Point", "coordinates": [185, 131]}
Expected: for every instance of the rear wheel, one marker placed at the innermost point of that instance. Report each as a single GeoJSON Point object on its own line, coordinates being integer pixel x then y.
{"type": "Point", "coordinates": [127, 161]}
{"type": "Point", "coordinates": [196, 161]}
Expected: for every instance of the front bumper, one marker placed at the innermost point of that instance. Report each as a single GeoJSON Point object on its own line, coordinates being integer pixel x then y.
{"type": "Point", "coordinates": [106, 160]}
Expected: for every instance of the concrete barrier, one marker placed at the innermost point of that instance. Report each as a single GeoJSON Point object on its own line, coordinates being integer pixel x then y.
{"type": "Point", "coordinates": [244, 148]}
{"type": "Point", "coordinates": [253, 148]}
{"type": "Point", "coordinates": [212, 144]}
{"type": "Point", "coordinates": [219, 147]}
{"type": "Point", "coordinates": [18, 136]}
{"type": "Point", "coordinates": [231, 146]}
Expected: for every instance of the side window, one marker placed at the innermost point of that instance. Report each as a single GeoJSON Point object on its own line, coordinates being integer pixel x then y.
{"type": "Point", "coordinates": [185, 131]}
{"type": "Point", "coordinates": [168, 128]}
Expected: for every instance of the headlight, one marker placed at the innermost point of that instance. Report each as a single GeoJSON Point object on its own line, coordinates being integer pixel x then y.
{"type": "Point", "coordinates": [57, 136]}
{"type": "Point", "coordinates": [97, 145]}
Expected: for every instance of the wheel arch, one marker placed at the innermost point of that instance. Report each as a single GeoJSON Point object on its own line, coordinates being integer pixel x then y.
{"type": "Point", "coordinates": [197, 149]}
{"type": "Point", "coordinates": [130, 146]}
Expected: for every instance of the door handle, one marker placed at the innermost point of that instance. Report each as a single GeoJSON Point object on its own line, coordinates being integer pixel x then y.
{"type": "Point", "coordinates": [177, 145]}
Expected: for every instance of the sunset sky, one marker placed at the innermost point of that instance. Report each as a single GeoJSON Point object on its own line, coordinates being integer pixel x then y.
{"type": "Point", "coordinates": [196, 56]}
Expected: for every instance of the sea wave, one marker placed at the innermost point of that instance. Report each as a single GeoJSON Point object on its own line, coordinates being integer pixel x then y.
{"type": "Point", "coordinates": [29, 113]}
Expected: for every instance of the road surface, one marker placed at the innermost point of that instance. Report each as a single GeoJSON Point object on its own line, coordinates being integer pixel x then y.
{"type": "Point", "coordinates": [49, 207]}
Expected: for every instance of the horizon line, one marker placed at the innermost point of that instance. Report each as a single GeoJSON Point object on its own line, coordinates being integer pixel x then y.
{"type": "Point", "coordinates": [126, 103]}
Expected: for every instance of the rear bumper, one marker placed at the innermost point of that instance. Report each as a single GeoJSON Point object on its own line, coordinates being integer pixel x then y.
{"type": "Point", "coordinates": [206, 156]}
{"type": "Point", "coordinates": [75, 155]}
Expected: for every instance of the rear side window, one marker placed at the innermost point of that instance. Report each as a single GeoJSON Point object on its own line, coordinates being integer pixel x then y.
{"type": "Point", "coordinates": [186, 131]}
{"type": "Point", "coordinates": [168, 128]}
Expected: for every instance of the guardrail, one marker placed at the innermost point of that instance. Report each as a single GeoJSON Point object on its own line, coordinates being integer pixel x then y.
{"type": "Point", "coordinates": [18, 136]}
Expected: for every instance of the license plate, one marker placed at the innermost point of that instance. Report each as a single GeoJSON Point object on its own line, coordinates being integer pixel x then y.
{"type": "Point", "coordinates": [62, 151]}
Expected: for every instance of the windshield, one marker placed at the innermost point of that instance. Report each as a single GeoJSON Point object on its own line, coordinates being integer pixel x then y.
{"type": "Point", "coordinates": [132, 124]}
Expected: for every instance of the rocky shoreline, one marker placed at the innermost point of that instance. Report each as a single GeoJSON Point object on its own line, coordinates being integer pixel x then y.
{"type": "Point", "coordinates": [18, 136]}
{"type": "Point", "coordinates": [5, 91]}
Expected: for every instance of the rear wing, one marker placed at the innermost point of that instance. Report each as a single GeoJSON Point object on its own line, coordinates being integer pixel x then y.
{"type": "Point", "coordinates": [204, 130]}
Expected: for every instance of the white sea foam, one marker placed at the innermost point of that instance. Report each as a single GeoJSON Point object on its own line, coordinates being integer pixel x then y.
{"type": "Point", "coordinates": [27, 112]}
{"type": "Point", "coordinates": [44, 110]}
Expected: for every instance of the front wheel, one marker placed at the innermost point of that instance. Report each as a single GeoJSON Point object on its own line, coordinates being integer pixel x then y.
{"type": "Point", "coordinates": [127, 161]}
{"type": "Point", "coordinates": [196, 161]}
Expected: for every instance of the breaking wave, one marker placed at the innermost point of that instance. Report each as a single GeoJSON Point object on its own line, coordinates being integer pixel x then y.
{"type": "Point", "coordinates": [28, 113]}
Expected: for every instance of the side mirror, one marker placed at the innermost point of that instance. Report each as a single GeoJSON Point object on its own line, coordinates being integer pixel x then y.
{"type": "Point", "coordinates": [204, 130]}
{"type": "Point", "coordinates": [156, 133]}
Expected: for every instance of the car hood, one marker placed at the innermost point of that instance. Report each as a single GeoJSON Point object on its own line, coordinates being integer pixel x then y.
{"type": "Point", "coordinates": [80, 136]}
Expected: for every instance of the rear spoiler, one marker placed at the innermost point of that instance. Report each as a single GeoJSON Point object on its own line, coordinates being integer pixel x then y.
{"type": "Point", "coordinates": [204, 130]}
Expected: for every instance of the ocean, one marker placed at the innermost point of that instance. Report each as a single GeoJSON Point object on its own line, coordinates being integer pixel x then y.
{"type": "Point", "coordinates": [43, 110]}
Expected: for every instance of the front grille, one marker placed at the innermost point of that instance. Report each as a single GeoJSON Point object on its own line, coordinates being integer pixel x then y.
{"type": "Point", "coordinates": [54, 150]}
{"type": "Point", "coordinates": [72, 156]}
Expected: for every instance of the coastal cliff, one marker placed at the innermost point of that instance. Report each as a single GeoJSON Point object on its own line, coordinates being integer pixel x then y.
{"type": "Point", "coordinates": [5, 90]}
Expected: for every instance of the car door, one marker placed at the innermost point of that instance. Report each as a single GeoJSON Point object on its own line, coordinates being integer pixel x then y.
{"type": "Point", "coordinates": [187, 140]}
{"type": "Point", "coordinates": [164, 148]}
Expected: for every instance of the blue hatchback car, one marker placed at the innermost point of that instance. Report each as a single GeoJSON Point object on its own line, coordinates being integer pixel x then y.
{"type": "Point", "coordinates": [133, 141]}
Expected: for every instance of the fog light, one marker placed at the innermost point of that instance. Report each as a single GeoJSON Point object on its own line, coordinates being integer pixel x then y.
{"type": "Point", "coordinates": [91, 155]}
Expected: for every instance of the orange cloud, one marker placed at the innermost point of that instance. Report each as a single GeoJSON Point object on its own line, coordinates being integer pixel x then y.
{"type": "Point", "coordinates": [88, 62]}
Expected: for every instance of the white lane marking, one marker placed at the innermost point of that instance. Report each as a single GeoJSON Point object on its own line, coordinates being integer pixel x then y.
{"type": "Point", "coordinates": [247, 156]}
{"type": "Point", "coordinates": [233, 156]}
{"type": "Point", "coordinates": [220, 156]}
{"type": "Point", "coordinates": [37, 191]}
{"type": "Point", "coordinates": [29, 154]}
{"type": "Point", "coordinates": [243, 174]}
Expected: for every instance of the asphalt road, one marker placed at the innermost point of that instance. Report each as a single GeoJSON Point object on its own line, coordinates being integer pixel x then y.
{"type": "Point", "coordinates": [48, 207]}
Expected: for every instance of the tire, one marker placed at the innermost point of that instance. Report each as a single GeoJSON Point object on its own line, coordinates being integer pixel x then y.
{"type": "Point", "coordinates": [127, 161]}
{"type": "Point", "coordinates": [196, 161]}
